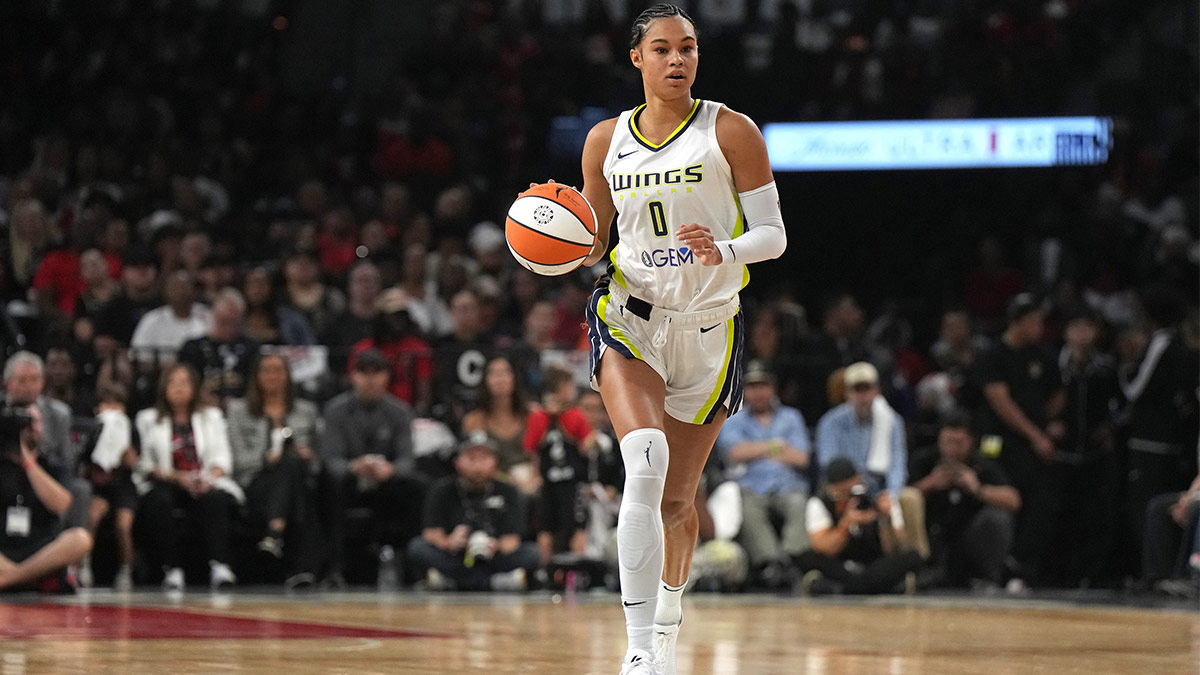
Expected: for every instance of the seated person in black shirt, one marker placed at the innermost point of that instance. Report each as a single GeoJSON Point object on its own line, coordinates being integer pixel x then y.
{"type": "Point", "coordinates": [854, 542]}
{"type": "Point", "coordinates": [969, 505]}
{"type": "Point", "coordinates": [34, 541]}
{"type": "Point", "coordinates": [473, 522]}
{"type": "Point", "coordinates": [224, 356]}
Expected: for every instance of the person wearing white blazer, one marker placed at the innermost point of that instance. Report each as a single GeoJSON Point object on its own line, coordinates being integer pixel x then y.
{"type": "Point", "coordinates": [185, 463]}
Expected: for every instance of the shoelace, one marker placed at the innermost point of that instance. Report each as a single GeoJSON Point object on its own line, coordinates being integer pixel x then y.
{"type": "Point", "coordinates": [665, 646]}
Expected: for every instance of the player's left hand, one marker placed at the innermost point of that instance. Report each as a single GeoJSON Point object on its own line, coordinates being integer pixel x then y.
{"type": "Point", "coordinates": [700, 241]}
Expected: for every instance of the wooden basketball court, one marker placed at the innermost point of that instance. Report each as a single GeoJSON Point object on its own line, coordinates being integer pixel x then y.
{"type": "Point", "coordinates": [729, 635]}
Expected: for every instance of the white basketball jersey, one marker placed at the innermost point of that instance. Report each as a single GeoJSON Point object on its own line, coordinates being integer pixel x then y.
{"type": "Point", "coordinates": [658, 188]}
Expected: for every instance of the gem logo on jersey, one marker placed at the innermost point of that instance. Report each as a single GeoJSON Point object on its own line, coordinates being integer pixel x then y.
{"type": "Point", "coordinates": [634, 181]}
{"type": "Point", "coordinates": [668, 257]}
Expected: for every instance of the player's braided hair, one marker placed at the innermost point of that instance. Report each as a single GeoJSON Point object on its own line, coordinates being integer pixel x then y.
{"type": "Point", "coordinates": [660, 11]}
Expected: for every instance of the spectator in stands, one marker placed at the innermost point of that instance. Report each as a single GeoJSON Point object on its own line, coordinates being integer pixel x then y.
{"type": "Point", "coordinates": [1171, 518]}
{"type": "Point", "coordinates": [766, 446]}
{"type": "Point", "coordinates": [366, 449]}
{"type": "Point", "coordinates": [37, 538]}
{"type": "Point", "coordinates": [536, 338]}
{"type": "Point", "coordinates": [185, 463]}
{"type": "Point", "coordinates": [1162, 406]}
{"type": "Point", "coordinates": [605, 476]}
{"type": "Point", "coordinates": [138, 295]}
{"type": "Point", "coordinates": [99, 285]}
{"type": "Point", "coordinates": [162, 331]}
{"type": "Point", "coordinates": [194, 249]}
{"type": "Point", "coordinates": [855, 547]}
{"type": "Point", "coordinates": [61, 385]}
{"type": "Point", "coordinates": [868, 432]}
{"type": "Point", "coordinates": [1024, 393]}
{"type": "Point", "coordinates": [502, 412]}
{"type": "Point", "coordinates": [773, 337]}
{"type": "Point", "coordinates": [837, 345]}
{"type": "Point", "coordinates": [570, 321]}
{"type": "Point", "coordinates": [268, 321]}
{"type": "Point", "coordinates": [426, 307]}
{"type": "Point", "coordinates": [218, 272]}
{"type": "Point", "coordinates": [472, 527]}
{"type": "Point", "coordinates": [306, 292]}
{"type": "Point", "coordinates": [409, 357]}
{"type": "Point", "coordinates": [24, 385]}
{"type": "Point", "coordinates": [957, 348]}
{"type": "Point", "coordinates": [224, 356]}
{"type": "Point", "coordinates": [970, 508]}
{"type": "Point", "coordinates": [561, 439]}
{"type": "Point", "coordinates": [272, 434]}
{"type": "Point", "coordinates": [336, 243]}
{"type": "Point", "coordinates": [459, 359]}
{"type": "Point", "coordinates": [30, 233]}
{"type": "Point", "coordinates": [357, 322]}
{"type": "Point", "coordinates": [1086, 465]}
{"type": "Point", "coordinates": [109, 468]}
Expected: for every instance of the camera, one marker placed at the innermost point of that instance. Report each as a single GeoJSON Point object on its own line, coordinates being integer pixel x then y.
{"type": "Point", "coordinates": [12, 422]}
{"type": "Point", "coordinates": [866, 501]}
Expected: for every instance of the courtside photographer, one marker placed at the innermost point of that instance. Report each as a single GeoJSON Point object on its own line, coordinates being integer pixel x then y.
{"type": "Point", "coordinates": [34, 542]}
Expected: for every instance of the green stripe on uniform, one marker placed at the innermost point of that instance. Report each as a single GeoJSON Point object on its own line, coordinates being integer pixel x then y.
{"type": "Point", "coordinates": [739, 228]}
{"type": "Point", "coordinates": [602, 311]}
{"type": "Point", "coordinates": [618, 276]}
{"type": "Point", "coordinates": [712, 398]}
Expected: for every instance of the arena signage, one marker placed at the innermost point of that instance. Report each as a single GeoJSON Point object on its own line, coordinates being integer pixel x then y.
{"type": "Point", "coordinates": [939, 144]}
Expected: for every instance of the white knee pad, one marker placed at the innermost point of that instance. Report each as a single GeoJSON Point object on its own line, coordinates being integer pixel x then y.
{"type": "Point", "coordinates": [639, 523]}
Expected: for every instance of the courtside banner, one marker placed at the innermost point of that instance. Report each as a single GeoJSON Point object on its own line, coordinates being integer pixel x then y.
{"type": "Point", "coordinates": [939, 144]}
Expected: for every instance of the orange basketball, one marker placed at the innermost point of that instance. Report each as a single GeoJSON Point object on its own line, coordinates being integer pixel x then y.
{"type": "Point", "coordinates": [550, 229]}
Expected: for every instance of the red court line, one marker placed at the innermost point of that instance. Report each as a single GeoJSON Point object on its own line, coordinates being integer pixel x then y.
{"type": "Point", "coordinates": [106, 622]}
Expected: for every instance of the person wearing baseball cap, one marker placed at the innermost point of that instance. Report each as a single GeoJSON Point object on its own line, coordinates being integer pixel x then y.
{"type": "Point", "coordinates": [770, 440]}
{"type": "Point", "coordinates": [471, 536]}
{"type": "Point", "coordinates": [368, 455]}
{"type": "Point", "coordinates": [869, 433]}
{"type": "Point", "coordinates": [854, 542]}
{"type": "Point", "coordinates": [1024, 394]}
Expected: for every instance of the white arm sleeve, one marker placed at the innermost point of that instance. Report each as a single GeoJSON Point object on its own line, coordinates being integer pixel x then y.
{"type": "Point", "coordinates": [764, 237]}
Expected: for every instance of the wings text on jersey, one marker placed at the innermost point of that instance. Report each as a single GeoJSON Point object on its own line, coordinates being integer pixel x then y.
{"type": "Point", "coordinates": [633, 181]}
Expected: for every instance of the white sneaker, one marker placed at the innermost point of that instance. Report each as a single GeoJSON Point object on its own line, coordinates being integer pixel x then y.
{"type": "Point", "coordinates": [173, 581]}
{"type": "Point", "coordinates": [664, 647]}
{"type": "Point", "coordinates": [511, 582]}
{"type": "Point", "coordinates": [640, 663]}
{"type": "Point", "coordinates": [123, 581]}
{"type": "Point", "coordinates": [220, 576]}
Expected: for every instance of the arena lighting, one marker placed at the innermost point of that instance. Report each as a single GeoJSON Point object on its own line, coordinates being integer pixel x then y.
{"type": "Point", "coordinates": [939, 144]}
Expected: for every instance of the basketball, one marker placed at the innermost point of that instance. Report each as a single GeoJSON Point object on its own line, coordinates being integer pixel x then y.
{"type": "Point", "coordinates": [550, 229]}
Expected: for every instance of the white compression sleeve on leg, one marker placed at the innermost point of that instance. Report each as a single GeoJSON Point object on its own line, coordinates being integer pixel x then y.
{"type": "Point", "coordinates": [640, 531]}
{"type": "Point", "coordinates": [765, 237]}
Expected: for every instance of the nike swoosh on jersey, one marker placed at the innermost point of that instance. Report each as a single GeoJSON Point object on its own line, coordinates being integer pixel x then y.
{"type": "Point", "coordinates": [626, 154]}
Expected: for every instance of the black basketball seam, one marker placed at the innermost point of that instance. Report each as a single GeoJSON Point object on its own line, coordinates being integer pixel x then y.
{"type": "Point", "coordinates": [521, 258]}
{"type": "Point", "coordinates": [577, 219]}
{"type": "Point", "coordinates": [546, 234]}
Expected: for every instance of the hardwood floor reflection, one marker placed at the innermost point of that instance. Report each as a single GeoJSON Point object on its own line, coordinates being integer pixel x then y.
{"type": "Point", "coordinates": [729, 635]}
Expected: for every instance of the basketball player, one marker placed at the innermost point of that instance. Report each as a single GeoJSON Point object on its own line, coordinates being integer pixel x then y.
{"type": "Point", "coordinates": [695, 201]}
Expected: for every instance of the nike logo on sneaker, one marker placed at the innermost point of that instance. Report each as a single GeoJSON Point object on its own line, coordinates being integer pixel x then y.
{"type": "Point", "coordinates": [623, 155]}
{"type": "Point", "coordinates": [648, 446]}
{"type": "Point", "coordinates": [705, 330]}
{"type": "Point", "coordinates": [633, 604]}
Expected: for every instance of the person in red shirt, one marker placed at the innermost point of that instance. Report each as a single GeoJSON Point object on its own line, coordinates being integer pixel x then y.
{"type": "Point", "coordinates": [561, 438]}
{"type": "Point", "coordinates": [410, 356]}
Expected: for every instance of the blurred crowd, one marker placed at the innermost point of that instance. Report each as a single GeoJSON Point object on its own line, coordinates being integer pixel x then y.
{"type": "Point", "coordinates": [271, 330]}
